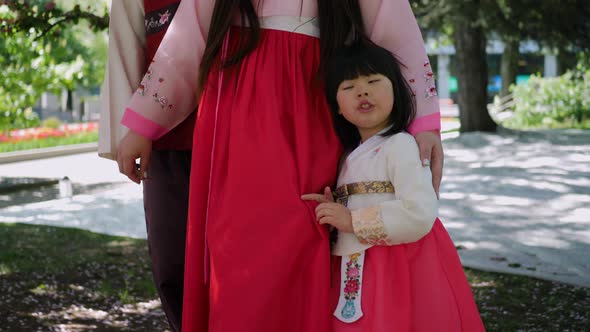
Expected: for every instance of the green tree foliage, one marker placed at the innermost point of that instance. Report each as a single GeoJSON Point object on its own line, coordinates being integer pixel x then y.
{"type": "Point", "coordinates": [46, 47]}
{"type": "Point", "coordinates": [558, 24]}
{"type": "Point", "coordinates": [465, 23]}
{"type": "Point", "coordinates": [44, 16]}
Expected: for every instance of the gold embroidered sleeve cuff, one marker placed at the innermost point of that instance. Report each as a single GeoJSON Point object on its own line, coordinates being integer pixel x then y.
{"type": "Point", "coordinates": [368, 226]}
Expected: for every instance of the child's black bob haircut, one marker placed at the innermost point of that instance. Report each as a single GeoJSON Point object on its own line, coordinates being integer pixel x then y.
{"type": "Point", "coordinates": [364, 59]}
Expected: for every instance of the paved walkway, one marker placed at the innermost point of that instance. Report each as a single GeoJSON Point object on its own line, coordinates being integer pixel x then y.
{"type": "Point", "coordinates": [520, 203]}
{"type": "Point", "coordinates": [517, 203]}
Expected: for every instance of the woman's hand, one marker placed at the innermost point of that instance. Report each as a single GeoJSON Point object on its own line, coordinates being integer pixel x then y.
{"type": "Point", "coordinates": [330, 213]}
{"type": "Point", "coordinates": [431, 154]}
{"type": "Point", "coordinates": [132, 147]}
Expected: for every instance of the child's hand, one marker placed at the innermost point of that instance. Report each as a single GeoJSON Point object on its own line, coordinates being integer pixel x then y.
{"type": "Point", "coordinates": [329, 212]}
{"type": "Point", "coordinates": [336, 215]}
{"type": "Point", "coordinates": [325, 198]}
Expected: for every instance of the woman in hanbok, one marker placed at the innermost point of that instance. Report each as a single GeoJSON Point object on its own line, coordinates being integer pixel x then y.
{"type": "Point", "coordinates": [256, 260]}
{"type": "Point", "coordinates": [395, 267]}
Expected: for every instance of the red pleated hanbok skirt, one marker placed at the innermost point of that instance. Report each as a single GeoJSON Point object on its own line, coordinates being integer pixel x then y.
{"type": "Point", "coordinates": [414, 287]}
{"type": "Point", "coordinates": [263, 137]}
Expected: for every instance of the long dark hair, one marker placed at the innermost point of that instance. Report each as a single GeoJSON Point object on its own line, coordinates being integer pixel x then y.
{"type": "Point", "coordinates": [340, 21]}
{"type": "Point", "coordinates": [221, 21]}
{"type": "Point", "coordinates": [364, 59]}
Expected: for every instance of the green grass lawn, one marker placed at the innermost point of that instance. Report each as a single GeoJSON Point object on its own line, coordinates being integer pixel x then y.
{"type": "Point", "coordinates": [80, 280]}
{"type": "Point", "coordinates": [87, 137]}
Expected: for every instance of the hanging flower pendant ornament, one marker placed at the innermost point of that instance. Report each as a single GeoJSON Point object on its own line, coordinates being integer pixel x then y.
{"type": "Point", "coordinates": [349, 304]}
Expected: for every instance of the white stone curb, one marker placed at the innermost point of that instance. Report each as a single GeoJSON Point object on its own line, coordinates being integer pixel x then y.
{"type": "Point", "coordinates": [12, 157]}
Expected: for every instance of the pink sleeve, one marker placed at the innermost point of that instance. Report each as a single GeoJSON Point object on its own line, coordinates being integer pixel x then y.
{"type": "Point", "coordinates": [167, 93]}
{"type": "Point", "coordinates": [391, 24]}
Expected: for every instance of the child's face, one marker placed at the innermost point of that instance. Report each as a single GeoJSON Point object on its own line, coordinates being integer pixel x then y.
{"type": "Point", "coordinates": [366, 102]}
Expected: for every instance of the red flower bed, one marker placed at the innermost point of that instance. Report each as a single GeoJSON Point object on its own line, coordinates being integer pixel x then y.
{"type": "Point", "coordinates": [64, 130]}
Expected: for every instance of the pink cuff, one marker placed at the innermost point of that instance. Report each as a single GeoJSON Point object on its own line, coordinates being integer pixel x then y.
{"type": "Point", "coordinates": [141, 125]}
{"type": "Point", "coordinates": [425, 123]}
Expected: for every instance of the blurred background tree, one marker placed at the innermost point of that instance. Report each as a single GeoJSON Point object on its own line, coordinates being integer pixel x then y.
{"type": "Point", "coordinates": [559, 25]}
{"type": "Point", "coordinates": [52, 45]}
{"type": "Point", "coordinates": [48, 46]}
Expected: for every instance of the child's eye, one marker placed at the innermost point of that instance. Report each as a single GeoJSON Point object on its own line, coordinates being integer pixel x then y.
{"type": "Point", "coordinates": [374, 81]}
{"type": "Point", "coordinates": [347, 87]}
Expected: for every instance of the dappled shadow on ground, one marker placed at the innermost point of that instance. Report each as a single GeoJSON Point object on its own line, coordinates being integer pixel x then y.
{"type": "Point", "coordinates": [60, 279]}
{"type": "Point", "coordinates": [19, 191]}
{"type": "Point", "coordinates": [50, 303]}
{"type": "Point", "coordinates": [520, 202]}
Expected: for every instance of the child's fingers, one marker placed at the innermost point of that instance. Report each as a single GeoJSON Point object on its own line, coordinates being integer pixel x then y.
{"type": "Point", "coordinates": [314, 197]}
{"type": "Point", "coordinates": [327, 220]}
{"type": "Point", "coordinates": [328, 195]}
{"type": "Point", "coordinates": [319, 214]}
{"type": "Point", "coordinates": [324, 211]}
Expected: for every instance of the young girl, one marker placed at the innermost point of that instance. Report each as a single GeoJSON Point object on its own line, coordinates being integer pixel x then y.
{"type": "Point", "coordinates": [256, 260]}
{"type": "Point", "coordinates": [396, 269]}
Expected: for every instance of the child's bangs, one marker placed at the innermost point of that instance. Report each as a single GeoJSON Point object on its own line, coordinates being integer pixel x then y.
{"type": "Point", "coordinates": [357, 62]}
{"type": "Point", "coordinates": [358, 67]}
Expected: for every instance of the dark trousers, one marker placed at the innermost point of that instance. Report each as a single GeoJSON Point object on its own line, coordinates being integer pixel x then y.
{"type": "Point", "coordinates": [165, 200]}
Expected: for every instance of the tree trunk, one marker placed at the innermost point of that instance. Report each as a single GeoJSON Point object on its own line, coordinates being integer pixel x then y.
{"type": "Point", "coordinates": [509, 65]}
{"type": "Point", "coordinates": [470, 45]}
{"type": "Point", "coordinates": [562, 65]}
{"type": "Point", "coordinates": [70, 101]}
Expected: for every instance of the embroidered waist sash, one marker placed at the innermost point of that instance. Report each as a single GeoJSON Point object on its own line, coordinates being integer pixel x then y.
{"type": "Point", "coordinates": [342, 193]}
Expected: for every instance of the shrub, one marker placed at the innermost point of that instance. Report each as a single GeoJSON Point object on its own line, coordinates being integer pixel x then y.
{"type": "Point", "coordinates": [51, 122]}
{"type": "Point", "coordinates": [555, 102]}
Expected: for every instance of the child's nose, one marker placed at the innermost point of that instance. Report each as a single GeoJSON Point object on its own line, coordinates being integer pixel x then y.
{"type": "Point", "coordinates": [363, 94]}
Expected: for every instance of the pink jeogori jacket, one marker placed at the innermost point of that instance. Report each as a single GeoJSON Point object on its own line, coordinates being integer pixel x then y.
{"type": "Point", "coordinates": [167, 93]}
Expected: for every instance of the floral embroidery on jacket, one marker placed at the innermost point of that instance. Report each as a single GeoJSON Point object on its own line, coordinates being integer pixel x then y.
{"type": "Point", "coordinates": [142, 89]}
{"type": "Point", "coordinates": [429, 75]}
{"type": "Point", "coordinates": [431, 91]}
{"type": "Point", "coordinates": [145, 87]}
{"type": "Point", "coordinates": [159, 20]}
{"type": "Point", "coordinates": [429, 78]}
{"type": "Point", "coordinates": [164, 17]}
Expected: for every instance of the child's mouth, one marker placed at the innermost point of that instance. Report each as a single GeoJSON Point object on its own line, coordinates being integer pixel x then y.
{"type": "Point", "coordinates": [365, 107]}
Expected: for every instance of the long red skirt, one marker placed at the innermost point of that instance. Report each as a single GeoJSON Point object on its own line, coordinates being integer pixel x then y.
{"type": "Point", "coordinates": [418, 287]}
{"type": "Point", "coordinates": [263, 137]}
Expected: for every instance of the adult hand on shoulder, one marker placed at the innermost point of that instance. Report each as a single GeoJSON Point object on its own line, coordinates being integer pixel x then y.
{"type": "Point", "coordinates": [132, 147]}
{"type": "Point", "coordinates": [431, 154]}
